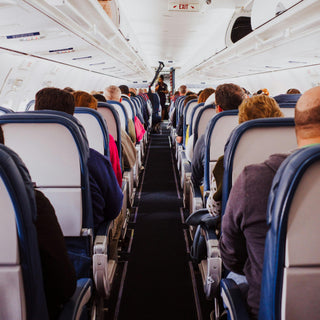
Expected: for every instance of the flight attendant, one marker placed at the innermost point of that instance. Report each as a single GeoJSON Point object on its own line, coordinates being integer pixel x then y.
{"type": "Point", "coordinates": [162, 90]}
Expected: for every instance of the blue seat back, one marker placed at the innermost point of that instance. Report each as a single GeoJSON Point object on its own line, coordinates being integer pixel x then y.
{"type": "Point", "coordinates": [30, 105]}
{"type": "Point", "coordinates": [217, 133]}
{"type": "Point", "coordinates": [203, 117]}
{"type": "Point", "coordinates": [96, 129]}
{"type": "Point", "coordinates": [111, 116]}
{"type": "Point", "coordinates": [193, 116]}
{"type": "Point", "coordinates": [5, 110]}
{"type": "Point", "coordinates": [127, 103]}
{"type": "Point", "coordinates": [187, 116]}
{"type": "Point", "coordinates": [253, 142]}
{"type": "Point", "coordinates": [122, 114]}
{"type": "Point", "coordinates": [21, 283]}
{"type": "Point", "coordinates": [291, 271]}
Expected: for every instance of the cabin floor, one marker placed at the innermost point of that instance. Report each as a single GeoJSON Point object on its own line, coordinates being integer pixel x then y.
{"type": "Point", "coordinates": [155, 277]}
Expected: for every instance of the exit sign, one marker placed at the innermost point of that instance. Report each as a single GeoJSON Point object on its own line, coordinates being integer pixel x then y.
{"type": "Point", "coordinates": [183, 7]}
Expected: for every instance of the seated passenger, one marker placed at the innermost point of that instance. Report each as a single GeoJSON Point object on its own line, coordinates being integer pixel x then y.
{"type": "Point", "coordinates": [293, 91]}
{"type": "Point", "coordinates": [84, 99]}
{"type": "Point", "coordinates": [228, 97]}
{"type": "Point", "coordinates": [129, 153]}
{"type": "Point", "coordinates": [244, 225]}
{"type": "Point", "coordinates": [105, 191]}
{"type": "Point", "coordinates": [172, 113]}
{"type": "Point", "coordinates": [59, 276]}
{"type": "Point", "coordinates": [259, 106]}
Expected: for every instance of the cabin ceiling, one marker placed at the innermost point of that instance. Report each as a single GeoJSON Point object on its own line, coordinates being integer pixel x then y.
{"type": "Point", "coordinates": [195, 44]}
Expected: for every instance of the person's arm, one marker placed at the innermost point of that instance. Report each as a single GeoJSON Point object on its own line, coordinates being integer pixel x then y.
{"type": "Point", "coordinates": [197, 167]}
{"type": "Point", "coordinates": [179, 131]}
{"type": "Point", "coordinates": [232, 242]}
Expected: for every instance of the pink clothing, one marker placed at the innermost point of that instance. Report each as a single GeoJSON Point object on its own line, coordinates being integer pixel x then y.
{"type": "Point", "coordinates": [114, 159]}
{"type": "Point", "coordinates": [139, 129]}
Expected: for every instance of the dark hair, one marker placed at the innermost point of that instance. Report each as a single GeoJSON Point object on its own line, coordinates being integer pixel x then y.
{"type": "Point", "coordinates": [100, 97]}
{"type": "Point", "coordinates": [161, 76]}
{"type": "Point", "coordinates": [229, 96]}
{"type": "Point", "coordinates": [124, 89]}
{"type": "Point", "coordinates": [54, 99]}
{"type": "Point", "coordinates": [189, 98]}
{"type": "Point", "coordinates": [293, 91]}
{"type": "Point", "coordinates": [69, 89]}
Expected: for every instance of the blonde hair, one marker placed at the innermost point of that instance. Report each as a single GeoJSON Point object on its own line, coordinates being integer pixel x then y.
{"type": "Point", "coordinates": [260, 106]}
{"type": "Point", "coordinates": [85, 99]}
{"type": "Point", "coordinates": [205, 94]}
{"type": "Point", "coordinates": [113, 93]}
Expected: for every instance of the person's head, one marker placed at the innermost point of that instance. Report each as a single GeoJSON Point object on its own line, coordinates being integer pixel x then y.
{"type": "Point", "coordinates": [205, 93]}
{"type": "Point", "coordinates": [133, 92]}
{"type": "Point", "coordinates": [293, 91]}
{"type": "Point", "coordinates": [189, 98]}
{"type": "Point", "coordinates": [69, 89]}
{"type": "Point", "coordinates": [161, 78]}
{"type": "Point", "coordinates": [307, 117]}
{"type": "Point", "coordinates": [262, 91]}
{"type": "Point", "coordinates": [85, 99]}
{"type": "Point", "coordinates": [124, 89]}
{"type": "Point", "coordinates": [100, 97]}
{"type": "Point", "coordinates": [54, 99]}
{"type": "Point", "coordinates": [113, 93]}
{"type": "Point", "coordinates": [228, 97]}
{"type": "Point", "coordinates": [259, 106]}
{"type": "Point", "coordinates": [183, 90]}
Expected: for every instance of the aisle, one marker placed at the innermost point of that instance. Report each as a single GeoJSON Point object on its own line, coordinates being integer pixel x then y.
{"type": "Point", "coordinates": [158, 283]}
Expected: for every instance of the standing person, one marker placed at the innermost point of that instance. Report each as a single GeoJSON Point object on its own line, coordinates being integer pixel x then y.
{"type": "Point", "coordinates": [162, 90]}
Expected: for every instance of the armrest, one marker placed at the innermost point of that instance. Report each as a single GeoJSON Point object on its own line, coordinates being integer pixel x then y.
{"type": "Point", "coordinates": [204, 218]}
{"type": "Point", "coordinates": [233, 300]}
{"type": "Point", "coordinates": [196, 202]}
{"type": "Point", "coordinates": [75, 305]}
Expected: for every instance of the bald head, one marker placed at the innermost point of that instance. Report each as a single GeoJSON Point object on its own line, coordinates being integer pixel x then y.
{"type": "Point", "coordinates": [307, 117]}
{"type": "Point", "coordinates": [113, 93]}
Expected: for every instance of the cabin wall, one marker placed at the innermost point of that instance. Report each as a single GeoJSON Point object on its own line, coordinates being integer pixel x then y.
{"type": "Point", "coordinates": [21, 76]}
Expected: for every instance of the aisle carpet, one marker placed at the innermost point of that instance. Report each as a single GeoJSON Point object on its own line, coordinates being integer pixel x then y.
{"type": "Point", "coordinates": [158, 283]}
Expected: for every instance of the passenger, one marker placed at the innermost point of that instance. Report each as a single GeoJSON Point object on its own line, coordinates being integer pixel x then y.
{"type": "Point", "coordinates": [262, 91]}
{"type": "Point", "coordinates": [162, 90]}
{"type": "Point", "coordinates": [106, 194]}
{"type": "Point", "coordinates": [69, 89]}
{"type": "Point", "coordinates": [228, 97]}
{"type": "Point", "coordinates": [114, 93]}
{"type": "Point", "coordinates": [86, 100]}
{"type": "Point", "coordinates": [244, 225]}
{"type": "Point", "coordinates": [59, 276]}
{"type": "Point", "coordinates": [133, 92]}
{"type": "Point", "coordinates": [293, 91]}
{"type": "Point", "coordinates": [259, 106]}
{"type": "Point", "coordinates": [179, 131]}
{"type": "Point", "coordinates": [100, 97]}
{"type": "Point", "coordinates": [129, 153]}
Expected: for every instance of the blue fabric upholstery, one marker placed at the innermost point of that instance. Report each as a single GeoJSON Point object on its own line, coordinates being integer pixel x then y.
{"type": "Point", "coordinates": [185, 120]}
{"type": "Point", "coordinates": [19, 185]}
{"type": "Point", "coordinates": [131, 106]}
{"type": "Point", "coordinates": [281, 196]}
{"type": "Point", "coordinates": [5, 110]}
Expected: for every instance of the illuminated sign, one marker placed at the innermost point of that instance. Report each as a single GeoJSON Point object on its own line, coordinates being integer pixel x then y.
{"type": "Point", "coordinates": [183, 7]}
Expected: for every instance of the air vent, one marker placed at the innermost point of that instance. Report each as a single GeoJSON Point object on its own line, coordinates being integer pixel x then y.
{"type": "Point", "coordinates": [25, 36]}
{"type": "Point", "coordinates": [66, 50]}
{"type": "Point", "coordinates": [82, 58]}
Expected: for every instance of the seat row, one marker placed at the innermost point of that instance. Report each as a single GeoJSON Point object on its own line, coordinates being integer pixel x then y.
{"type": "Point", "coordinates": [249, 143]}
{"type": "Point", "coordinates": [54, 146]}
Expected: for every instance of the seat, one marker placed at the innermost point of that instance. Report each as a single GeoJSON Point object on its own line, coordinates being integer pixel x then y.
{"type": "Point", "coordinates": [5, 110]}
{"type": "Point", "coordinates": [250, 142]}
{"type": "Point", "coordinates": [291, 270]}
{"type": "Point", "coordinates": [111, 116]}
{"type": "Point", "coordinates": [21, 282]}
{"type": "Point", "coordinates": [92, 120]}
{"type": "Point", "coordinates": [30, 105]}
{"type": "Point", "coordinates": [47, 135]}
